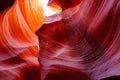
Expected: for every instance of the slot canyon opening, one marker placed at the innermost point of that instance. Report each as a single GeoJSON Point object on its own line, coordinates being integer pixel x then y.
{"type": "Point", "coordinates": [49, 11]}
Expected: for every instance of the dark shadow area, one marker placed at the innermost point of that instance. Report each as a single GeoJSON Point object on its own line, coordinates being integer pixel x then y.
{"type": "Point", "coordinates": [5, 4]}
{"type": "Point", "coordinates": [112, 78]}
{"type": "Point", "coordinates": [30, 73]}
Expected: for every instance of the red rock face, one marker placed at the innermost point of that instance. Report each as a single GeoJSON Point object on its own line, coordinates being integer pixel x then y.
{"type": "Point", "coordinates": [82, 42]}
{"type": "Point", "coordinates": [65, 4]}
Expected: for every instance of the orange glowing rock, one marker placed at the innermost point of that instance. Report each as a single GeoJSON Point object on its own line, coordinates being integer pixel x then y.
{"type": "Point", "coordinates": [18, 43]}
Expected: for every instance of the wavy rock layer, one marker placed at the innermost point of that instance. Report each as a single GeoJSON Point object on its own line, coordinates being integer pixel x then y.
{"type": "Point", "coordinates": [80, 43]}
{"type": "Point", "coordinates": [18, 43]}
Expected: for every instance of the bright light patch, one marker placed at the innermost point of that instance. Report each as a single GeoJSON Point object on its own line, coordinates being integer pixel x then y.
{"type": "Point", "coordinates": [47, 10]}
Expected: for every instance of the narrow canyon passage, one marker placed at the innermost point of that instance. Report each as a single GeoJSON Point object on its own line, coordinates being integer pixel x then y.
{"type": "Point", "coordinates": [60, 40]}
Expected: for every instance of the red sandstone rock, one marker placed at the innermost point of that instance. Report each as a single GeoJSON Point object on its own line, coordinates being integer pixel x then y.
{"type": "Point", "coordinates": [82, 41]}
